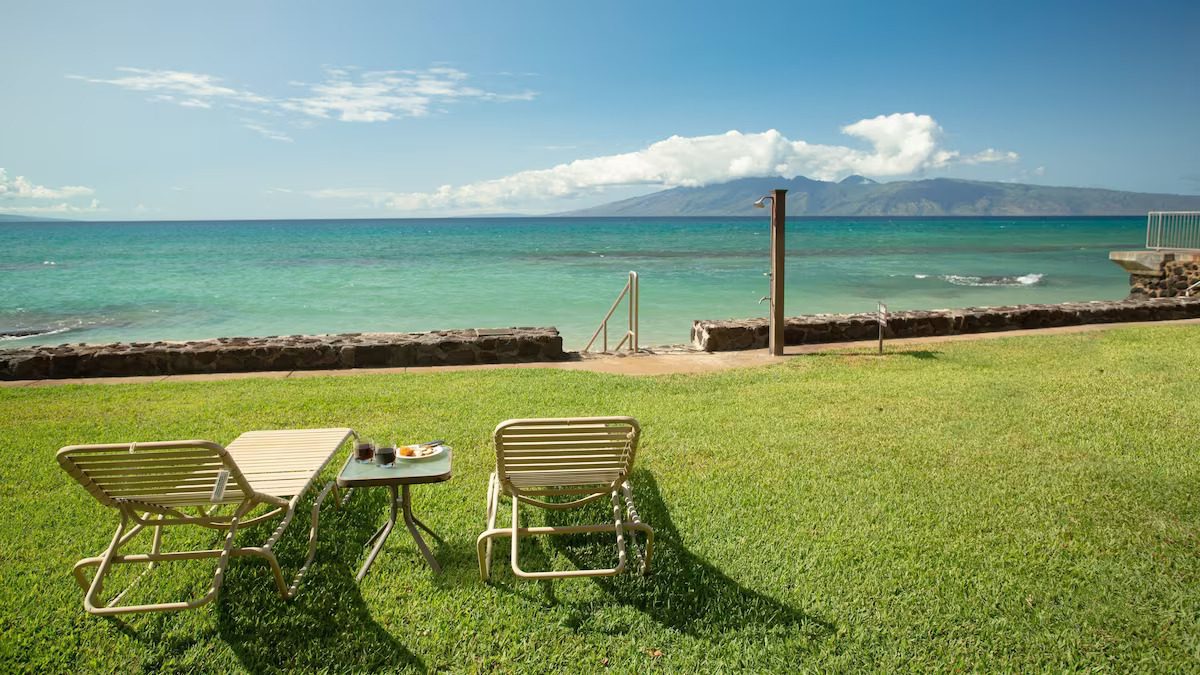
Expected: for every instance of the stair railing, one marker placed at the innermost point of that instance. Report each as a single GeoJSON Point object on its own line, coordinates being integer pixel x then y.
{"type": "Point", "coordinates": [630, 338]}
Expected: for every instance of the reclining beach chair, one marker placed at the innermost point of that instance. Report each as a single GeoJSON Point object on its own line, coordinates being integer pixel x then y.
{"type": "Point", "coordinates": [180, 483]}
{"type": "Point", "coordinates": [588, 458]}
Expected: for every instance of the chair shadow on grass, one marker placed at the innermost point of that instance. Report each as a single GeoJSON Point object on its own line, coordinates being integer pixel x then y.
{"type": "Point", "coordinates": [682, 591]}
{"type": "Point", "coordinates": [328, 625]}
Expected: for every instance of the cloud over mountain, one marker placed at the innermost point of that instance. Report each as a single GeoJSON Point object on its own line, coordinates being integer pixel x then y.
{"type": "Point", "coordinates": [21, 195]}
{"type": "Point", "coordinates": [898, 144]}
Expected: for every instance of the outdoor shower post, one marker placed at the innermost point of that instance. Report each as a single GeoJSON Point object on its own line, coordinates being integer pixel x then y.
{"type": "Point", "coordinates": [778, 250]}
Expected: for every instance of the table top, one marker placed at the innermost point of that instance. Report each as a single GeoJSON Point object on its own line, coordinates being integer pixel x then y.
{"type": "Point", "coordinates": [405, 472]}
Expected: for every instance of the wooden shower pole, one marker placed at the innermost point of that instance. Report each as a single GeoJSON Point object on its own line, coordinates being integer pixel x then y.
{"type": "Point", "coordinates": [778, 251]}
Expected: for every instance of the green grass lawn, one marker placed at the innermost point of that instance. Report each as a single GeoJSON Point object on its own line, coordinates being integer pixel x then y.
{"type": "Point", "coordinates": [1015, 504]}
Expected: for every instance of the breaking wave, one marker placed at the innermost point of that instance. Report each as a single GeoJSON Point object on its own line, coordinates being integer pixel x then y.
{"type": "Point", "coordinates": [24, 334]}
{"type": "Point", "coordinates": [1031, 279]}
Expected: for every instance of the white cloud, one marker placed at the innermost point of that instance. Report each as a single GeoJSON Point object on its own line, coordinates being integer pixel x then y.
{"type": "Point", "coordinates": [22, 188]}
{"type": "Point", "coordinates": [60, 208]}
{"type": "Point", "coordinates": [266, 132]}
{"type": "Point", "coordinates": [368, 194]}
{"type": "Point", "coordinates": [990, 156]}
{"type": "Point", "coordinates": [900, 144]}
{"type": "Point", "coordinates": [379, 96]}
{"type": "Point", "coordinates": [345, 94]}
{"type": "Point", "coordinates": [195, 90]}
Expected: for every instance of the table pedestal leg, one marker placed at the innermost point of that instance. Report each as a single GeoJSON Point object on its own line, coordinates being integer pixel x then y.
{"type": "Point", "coordinates": [382, 533]}
{"type": "Point", "coordinates": [425, 527]}
{"type": "Point", "coordinates": [411, 522]}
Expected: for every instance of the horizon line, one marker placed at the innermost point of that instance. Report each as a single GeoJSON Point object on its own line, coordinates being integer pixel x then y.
{"type": "Point", "coordinates": [1076, 216]}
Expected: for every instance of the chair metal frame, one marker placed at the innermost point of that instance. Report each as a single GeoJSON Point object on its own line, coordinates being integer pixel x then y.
{"type": "Point", "coordinates": [589, 458]}
{"type": "Point", "coordinates": [153, 484]}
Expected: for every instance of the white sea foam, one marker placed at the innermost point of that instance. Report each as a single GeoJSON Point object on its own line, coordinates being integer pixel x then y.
{"type": "Point", "coordinates": [52, 331]}
{"type": "Point", "coordinates": [49, 262]}
{"type": "Point", "coordinates": [1031, 279]}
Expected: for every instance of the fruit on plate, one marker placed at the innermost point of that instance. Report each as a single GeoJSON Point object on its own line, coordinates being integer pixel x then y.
{"type": "Point", "coordinates": [419, 451]}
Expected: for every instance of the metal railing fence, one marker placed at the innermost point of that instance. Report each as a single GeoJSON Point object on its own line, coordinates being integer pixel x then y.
{"type": "Point", "coordinates": [1173, 230]}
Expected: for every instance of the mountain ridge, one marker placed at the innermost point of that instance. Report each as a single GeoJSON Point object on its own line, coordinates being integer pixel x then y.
{"type": "Point", "coordinates": [859, 196]}
{"type": "Point", "coordinates": [18, 218]}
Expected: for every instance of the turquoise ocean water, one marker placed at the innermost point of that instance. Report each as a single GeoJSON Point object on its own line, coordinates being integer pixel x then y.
{"type": "Point", "coordinates": [102, 282]}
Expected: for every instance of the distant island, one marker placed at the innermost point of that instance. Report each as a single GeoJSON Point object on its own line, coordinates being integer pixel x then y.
{"type": "Point", "coordinates": [863, 197]}
{"type": "Point", "coordinates": [859, 196]}
{"type": "Point", "coordinates": [18, 218]}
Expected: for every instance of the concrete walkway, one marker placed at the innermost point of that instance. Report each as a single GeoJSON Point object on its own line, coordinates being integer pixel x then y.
{"type": "Point", "coordinates": [674, 362]}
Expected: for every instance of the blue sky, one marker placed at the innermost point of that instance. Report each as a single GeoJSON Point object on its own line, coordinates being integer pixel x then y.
{"type": "Point", "coordinates": [131, 110]}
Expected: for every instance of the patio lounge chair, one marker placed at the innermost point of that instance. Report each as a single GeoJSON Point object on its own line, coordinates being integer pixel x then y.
{"type": "Point", "coordinates": [179, 483]}
{"type": "Point", "coordinates": [587, 458]}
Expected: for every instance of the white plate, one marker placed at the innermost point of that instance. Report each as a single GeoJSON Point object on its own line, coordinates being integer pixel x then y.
{"type": "Point", "coordinates": [437, 452]}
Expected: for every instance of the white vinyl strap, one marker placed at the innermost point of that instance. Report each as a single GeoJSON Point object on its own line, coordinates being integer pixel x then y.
{"type": "Point", "coordinates": [218, 492]}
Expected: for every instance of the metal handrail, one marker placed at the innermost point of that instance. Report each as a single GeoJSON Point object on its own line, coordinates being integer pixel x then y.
{"type": "Point", "coordinates": [1187, 292]}
{"type": "Point", "coordinates": [1173, 230]}
{"type": "Point", "coordinates": [631, 332]}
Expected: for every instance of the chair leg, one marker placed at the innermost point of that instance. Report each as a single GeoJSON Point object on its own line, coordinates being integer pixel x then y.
{"type": "Point", "coordinates": [156, 545]}
{"type": "Point", "coordinates": [626, 521]}
{"type": "Point", "coordinates": [514, 536]}
{"type": "Point", "coordinates": [619, 524]}
{"type": "Point", "coordinates": [648, 549]}
{"type": "Point", "coordinates": [484, 542]}
{"type": "Point", "coordinates": [155, 549]}
{"type": "Point", "coordinates": [223, 560]}
{"type": "Point", "coordinates": [516, 532]}
{"type": "Point", "coordinates": [288, 591]}
{"type": "Point", "coordinates": [635, 523]}
{"type": "Point", "coordinates": [106, 561]}
{"type": "Point", "coordinates": [123, 537]}
{"type": "Point", "coordinates": [312, 537]}
{"type": "Point", "coordinates": [91, 601]}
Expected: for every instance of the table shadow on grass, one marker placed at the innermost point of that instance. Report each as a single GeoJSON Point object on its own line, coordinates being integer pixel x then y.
{"type": "Point", "coordinates": [682, 592]}
{"type": "Point", "coordinates": [328, 625]}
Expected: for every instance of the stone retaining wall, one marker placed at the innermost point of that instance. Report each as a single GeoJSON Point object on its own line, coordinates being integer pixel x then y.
{"type": "Point", "coordinates": [1159, 274]}
{"type": "Point", "coordinates": [296, 352]}
{"type": "Point", "coordinates": [1173, 279]}
{"type": "Point", "coordinates": [720, 336]}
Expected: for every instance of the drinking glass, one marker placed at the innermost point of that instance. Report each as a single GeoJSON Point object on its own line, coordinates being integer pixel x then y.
{"type": "Point", "coordinates": [385, 455]}
{"type": "Point", "coordinates": [364, 451]}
